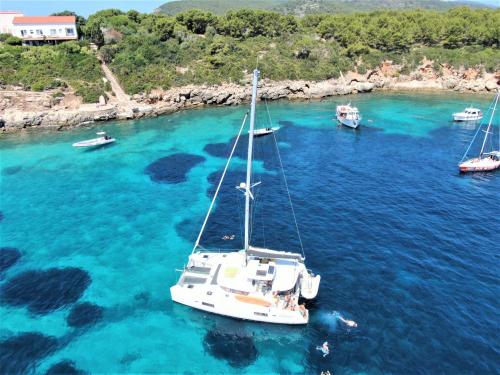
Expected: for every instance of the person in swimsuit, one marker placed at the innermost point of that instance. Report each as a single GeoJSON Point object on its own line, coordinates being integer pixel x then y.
{"type": "Point", "coordinates": [324, 348]}
{"type": "Point", "coordinates": [349, 323]}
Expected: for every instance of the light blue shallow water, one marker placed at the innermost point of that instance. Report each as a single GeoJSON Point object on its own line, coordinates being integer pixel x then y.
{"type": "Point", "coordinates": [405, 245]}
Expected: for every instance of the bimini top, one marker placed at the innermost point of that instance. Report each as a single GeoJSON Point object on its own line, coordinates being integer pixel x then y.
{"type": "Point", "coordinates": [272, 254]}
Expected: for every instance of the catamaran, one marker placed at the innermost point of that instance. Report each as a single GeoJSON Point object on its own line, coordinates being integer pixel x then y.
{"type": "Point", "coordinates": [486, 161]}
{"type": "Point", "coordinates": [254, 283]}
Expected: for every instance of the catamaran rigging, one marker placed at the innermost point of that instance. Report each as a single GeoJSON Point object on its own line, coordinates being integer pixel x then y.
{"type": "Point", "coordinates": [254, 283]}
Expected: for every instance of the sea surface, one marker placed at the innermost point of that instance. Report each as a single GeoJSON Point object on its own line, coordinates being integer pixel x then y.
{"type": "Point", "coordinates": [405, 245]}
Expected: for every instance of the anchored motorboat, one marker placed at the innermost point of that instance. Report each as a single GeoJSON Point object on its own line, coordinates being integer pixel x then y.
{"type": "Point", "coordinates": [253, 283]}
{"type": "Point", "coordinates": [469, 114]}
{"type": "Point", "coordinates": [103, 139]}
{"type": "Point", "coordinates": [348, 116]}
{"type": "Point", "coordinates": [264, 131]}
{"type": "Point", "coordinates": [486, 160]}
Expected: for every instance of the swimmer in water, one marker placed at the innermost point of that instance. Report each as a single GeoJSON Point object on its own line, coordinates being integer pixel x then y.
{"type": "Point", "coordinates": [324, 348]}
{"type": "Point", "coordinates": [349, 323]}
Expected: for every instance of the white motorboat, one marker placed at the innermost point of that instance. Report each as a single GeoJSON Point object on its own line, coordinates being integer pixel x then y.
{"type": "Point", "coordinates": [469, 114]}
{"type": "Point", "coordinates": [254, 283]}
{"type": "Point", "coordinates": [103, 139]}
{"type": "Point", "coordinates": [485, 161]}
{"type": "Point", "coordinates": [348, 116]}
{"type": "Point", "coordinates": [264, 131]}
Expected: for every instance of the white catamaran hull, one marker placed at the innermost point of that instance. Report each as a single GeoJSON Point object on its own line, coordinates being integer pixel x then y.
{"type": "Point", "coordinates": [218, 283]}
{"type": "Point", "coordinates": [227, 305]}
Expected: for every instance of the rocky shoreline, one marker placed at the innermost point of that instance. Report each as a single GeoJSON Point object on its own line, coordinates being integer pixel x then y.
{"type": "Point", "coordinates": [160, 102]}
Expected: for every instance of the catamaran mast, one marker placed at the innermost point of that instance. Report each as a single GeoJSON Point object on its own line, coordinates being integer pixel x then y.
{"type": "Point", "coordinates": [489, 124]}
{"type": "Point", "coordinates": [248, 183]}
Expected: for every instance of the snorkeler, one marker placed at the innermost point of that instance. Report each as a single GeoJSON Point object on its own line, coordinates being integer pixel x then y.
{"type": "Point", "coordinates": [324, 348]}
{"type": "Point", "coordinates": [349, 323]}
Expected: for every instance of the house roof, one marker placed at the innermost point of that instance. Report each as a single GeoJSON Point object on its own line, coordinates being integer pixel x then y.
{"type": "Point", "coordinates": [44, 20]}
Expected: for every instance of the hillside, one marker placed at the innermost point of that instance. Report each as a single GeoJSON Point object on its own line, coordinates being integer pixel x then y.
{"type": "Point", "coordinates": [304, 7]}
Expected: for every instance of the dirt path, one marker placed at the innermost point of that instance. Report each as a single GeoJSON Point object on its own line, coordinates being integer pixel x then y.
{"type": "Point", "coordinates": [120, 95]}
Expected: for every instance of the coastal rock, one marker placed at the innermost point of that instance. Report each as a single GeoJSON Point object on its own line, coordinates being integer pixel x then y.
{"type": "Point", "coordinates": [491, 85]}
{"type": "Point", "coordinates": [364, 86]}
{"type": "Point", "coordinates": [429, 76]}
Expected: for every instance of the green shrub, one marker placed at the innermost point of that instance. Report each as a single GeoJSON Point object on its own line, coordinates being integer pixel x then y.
{"type": "Point", "coordinates": [14, 41]}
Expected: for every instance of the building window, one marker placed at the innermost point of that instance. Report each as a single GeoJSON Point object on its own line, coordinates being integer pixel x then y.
{"type": "Point", "coordinates": [70, 31]}
{"type": "Point", "coordinates": [39, 32]}
{"type": "Point", "coordinates": [32, 32]}
{"type": "Point", "coordinates": [53, 31]}
{"type": "Point", "coordinates": [24, 32]}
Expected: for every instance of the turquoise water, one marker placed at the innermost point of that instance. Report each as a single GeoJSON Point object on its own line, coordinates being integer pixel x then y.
{"type": "Point", "coordinates": [405, 245]}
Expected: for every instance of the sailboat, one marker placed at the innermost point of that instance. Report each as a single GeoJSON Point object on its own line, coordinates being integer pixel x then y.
{"type": "Point", "coordinates": [485, 161]}
{"type": "Point", "coordinates": [254, 283]}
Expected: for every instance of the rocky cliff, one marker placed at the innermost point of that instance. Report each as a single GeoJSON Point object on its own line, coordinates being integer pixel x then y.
{"type": "Point", "coordinates": [386, 77]}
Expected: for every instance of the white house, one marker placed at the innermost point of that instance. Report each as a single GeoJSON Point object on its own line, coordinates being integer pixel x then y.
{"type": "Point", "coordinates": [6, 18]}
{"type": "Point", "coordinates": [51, 29]}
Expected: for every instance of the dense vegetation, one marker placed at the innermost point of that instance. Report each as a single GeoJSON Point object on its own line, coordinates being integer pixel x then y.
{"type": "Point", "coordinates": [305, 7]}
{"type": "Point", "coordinates": [153, 50]}
{"type": "Point", "coordinates": [48, 67]}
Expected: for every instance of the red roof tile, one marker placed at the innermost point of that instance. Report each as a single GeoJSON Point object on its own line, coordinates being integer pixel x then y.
{"type": "Point", "coordinates": [44, 20]}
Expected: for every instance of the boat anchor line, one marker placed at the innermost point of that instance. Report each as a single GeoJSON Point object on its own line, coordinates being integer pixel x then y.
{"type": "Point", "coordinates": [254, 283]}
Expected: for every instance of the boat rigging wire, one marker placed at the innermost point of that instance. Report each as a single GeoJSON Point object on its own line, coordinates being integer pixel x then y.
{"type": "Point", "coordinates": [197, 243]}
{"type": "Point", "coordinates": [286, 183]}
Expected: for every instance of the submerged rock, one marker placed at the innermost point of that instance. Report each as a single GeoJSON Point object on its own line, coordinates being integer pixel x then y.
{"type": "Point", "coordinates": [20, 354]}
{"type": "Point", "coordinates": [84, 314]}
{"type": "Point", "coordinates": [45, 291]}
{"type": "Point", "coordinates": [65, 367]}
{"type": "Point", "coordinates": [238, 350]}
{"type": "Point", "coordinates": [9, 171]}
{"type": "Point", "coordinates": [173, 169]}
{"type": "Point", "coordinates": [8, 257]}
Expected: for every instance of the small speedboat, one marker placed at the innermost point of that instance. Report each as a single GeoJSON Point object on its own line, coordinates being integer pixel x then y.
{"type": "Point", "coordinates": [469, 114]}
{"type": "Point", "coordinates": [102, 140]}
{"type": "Point", "coordinates": [264, 131]}
{"type": "Point", "coordinates": [348, 116]}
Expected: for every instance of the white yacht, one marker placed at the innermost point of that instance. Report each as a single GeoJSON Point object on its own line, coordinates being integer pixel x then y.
{"type": "Point", "coordinates": [253, 283]}
{"type": "Point", "coordinates": [486, 160]}
{"type": "Point", "coordinates": [469, 114]}
{"type": "Point", "coordinates": [348, 116]}
{"type": "Point", "coordinates": [103, 139]}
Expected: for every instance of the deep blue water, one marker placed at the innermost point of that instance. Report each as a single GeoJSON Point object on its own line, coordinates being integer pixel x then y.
{"type": "Point", "coordinates": [406, 246]}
